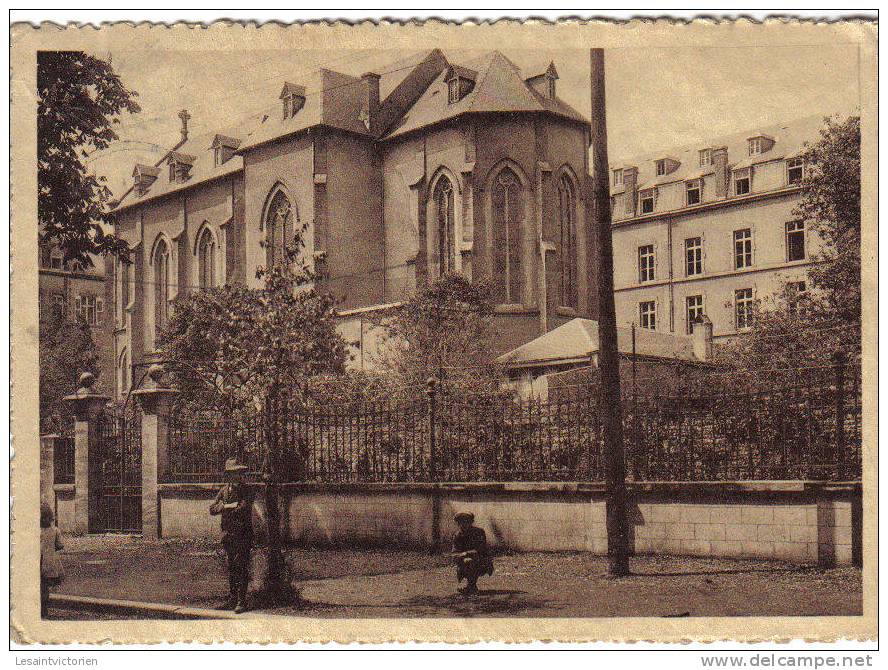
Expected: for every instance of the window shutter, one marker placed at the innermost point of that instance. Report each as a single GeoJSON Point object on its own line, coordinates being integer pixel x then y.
{"type": "Point", "coordinates": [100, 306]}
{"type": "Point", "coordinates": [77, 307]}
{"type": "Point", "coordinates": [656, 261]}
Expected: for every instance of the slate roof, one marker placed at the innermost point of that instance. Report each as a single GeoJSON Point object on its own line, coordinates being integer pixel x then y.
{"type": "Point", "coordinates": [499, 87]}
{"type": "Point", "coordinates": [203, 169]}
{"type": "Point", "coordinates": [789, 137]}
{"type": "Point", "coordinates": [576, 339]}
{"type": "Point", "coordinates": [333, 99]}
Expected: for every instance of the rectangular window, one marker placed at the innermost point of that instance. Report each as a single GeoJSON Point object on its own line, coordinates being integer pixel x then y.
{"type": "Point", "coordinates": [742, 248]}
{"type": "Point", "coordinates": [646, 201]}
{"type": "Point", "coordinates": [453, 90]}
{"type": "Point", "coordinates": [755, 146]}
{"type": "Point", "coordinates": [647, 314]}
{"type": "Point", "coordinates": [795, 171]}
{"type": "Point", "coordinates": [795, 241]}
{"type": "Point", "coordinates": [89, 308]}
{"type": "Point", "coordinates": [694, 310]}
{"type": "Point", "coordinates": [742, 182]}
{"type": "Point", "coordinates": [705, 157]}
{"type": "Point", "coordinates": [56, 260]}
{"type": "Point", "coordinates": [794, 291]}
{"type": "Point", "coordinates": [797, 287]}
{"type": "Point", "coordinates": [661, 167]}
{"type": "Point", "coordinates": [618, 177]}
{"type": "Point", "coordinates": [692, 188]}
{"type": "Point", "coordinates": [693, 256]}
{"type": "Point", "coordinates": [646, 263]}
{"type": "Point", "coordinates": [743, 308]}
{"type": "Point", "coordinates": [58, 303]}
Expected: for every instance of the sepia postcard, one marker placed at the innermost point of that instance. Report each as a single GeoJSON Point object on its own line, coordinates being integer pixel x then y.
{"type": "Point", "coordinates": [445, 332]}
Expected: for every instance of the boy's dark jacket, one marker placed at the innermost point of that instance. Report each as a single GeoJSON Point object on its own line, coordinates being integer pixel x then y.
{"type": "Point", "coordinates": [237, 523]}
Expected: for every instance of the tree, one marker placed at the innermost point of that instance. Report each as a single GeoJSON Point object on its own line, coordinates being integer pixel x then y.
{"type": "Point", "coordinates": [79, 98]}
{"type": "Point", "coordinates": [443, 331]}
{"type": "Point", "coordinates": [831, 205]}
{"type": "Point", "coordinates": [66, 350]}
{"type": "Point", "coordinates": [236, 349]}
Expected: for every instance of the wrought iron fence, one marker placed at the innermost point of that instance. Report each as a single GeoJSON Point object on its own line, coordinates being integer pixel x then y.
{"type": "Point", "coordinates": [801, 425]}
{"type": "Point", "coordinates": [199, 446]}
{"type": "Point", "coordinates": [119, 443]}
{"type": "Point", "coordinates": [63, 460]}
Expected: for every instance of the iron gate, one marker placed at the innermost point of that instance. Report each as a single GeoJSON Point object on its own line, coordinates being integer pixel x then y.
{"type": "Point", "coordinates": [119, 489]}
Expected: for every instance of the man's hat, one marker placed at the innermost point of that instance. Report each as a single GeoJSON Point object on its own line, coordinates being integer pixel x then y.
{"type": "Point", "coordinates": [465, 515]}
{"type": "Point", "coordinates": [234, 468]}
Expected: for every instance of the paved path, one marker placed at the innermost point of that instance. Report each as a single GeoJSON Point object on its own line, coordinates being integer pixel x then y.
{"type": "Point", "coordinates": [414, 584]}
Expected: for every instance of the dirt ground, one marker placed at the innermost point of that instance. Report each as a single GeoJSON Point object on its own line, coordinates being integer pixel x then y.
{"type": "Point", "coordinates": [385, 583]}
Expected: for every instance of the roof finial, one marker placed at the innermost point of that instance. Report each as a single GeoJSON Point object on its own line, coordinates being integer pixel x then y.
{"type": "Point", "coordinates": [184, 116]}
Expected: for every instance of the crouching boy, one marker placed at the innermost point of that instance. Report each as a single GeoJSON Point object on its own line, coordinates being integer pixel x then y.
{"type": "Point", "coordinates": [470, 553]}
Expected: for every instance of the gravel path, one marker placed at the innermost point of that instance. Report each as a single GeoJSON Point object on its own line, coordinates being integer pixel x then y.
{"type": "Point", "coordinates": [377, 583]}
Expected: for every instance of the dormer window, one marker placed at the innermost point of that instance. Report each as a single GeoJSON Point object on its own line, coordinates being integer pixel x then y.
{"type": "Point", "coordinates": [618, 177]}
{"type": "Point", "coordinates": [759, 144]}
{"type": "Point", "coordinates": [453, 90]}
{"type": "Point", "coordinates": [223, 148]}
{"type": "Point", "coordinates": [460, 82]}
{"type": "Point", "coordinates": [292, 99]}
{"type": "Point", "coordinates": [646, 200]}
{"type": "Point", "coordinates": [705, 157]}
{"type": "Point", "coordinates": [666, 166]}
{"type": "Point", "coordinates": [180, 167]}
{"type": "Point", "coordinates": [795, 171]}
{"type": "Point", "coordinates": [742, 181]}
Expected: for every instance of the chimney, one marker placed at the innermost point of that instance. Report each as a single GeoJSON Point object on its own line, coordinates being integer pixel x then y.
{"type": "Point", "coordinates": [369, 99]}
{"type": "Point", "coordinates": [701, 334]}
{"type": "Point", "coordinates": [720, 164]}
{"type": "Point", "coordinates": [630, 189]}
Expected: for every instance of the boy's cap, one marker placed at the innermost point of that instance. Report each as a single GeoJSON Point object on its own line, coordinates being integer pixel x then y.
{"type": "Point", "coordinates": [465, 515]}
{"type": "Point", "coordinates": [233, 467]}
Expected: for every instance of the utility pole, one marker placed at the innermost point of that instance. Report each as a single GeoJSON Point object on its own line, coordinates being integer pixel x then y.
{"type": "Point", "coordinates": [609, 364]}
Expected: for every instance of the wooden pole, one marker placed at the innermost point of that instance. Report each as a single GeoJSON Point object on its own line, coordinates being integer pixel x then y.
{"type": "Point", "coordinates": [609, 365]}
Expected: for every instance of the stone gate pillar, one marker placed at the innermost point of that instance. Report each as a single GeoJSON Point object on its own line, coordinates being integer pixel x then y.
{"type": "Point", "coordinates": [155, 400]}
{"type": "Point", "coordinates": [47, 469]}
{"type": "Point", "coordinates": [86, 405]}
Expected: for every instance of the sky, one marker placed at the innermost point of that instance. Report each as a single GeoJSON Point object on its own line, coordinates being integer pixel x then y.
{"type": "Point", "coordinates": [656, 97]}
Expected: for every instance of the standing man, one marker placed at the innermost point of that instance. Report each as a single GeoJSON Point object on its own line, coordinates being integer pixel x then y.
{"type": "Point", "coordinates": [235, 503]}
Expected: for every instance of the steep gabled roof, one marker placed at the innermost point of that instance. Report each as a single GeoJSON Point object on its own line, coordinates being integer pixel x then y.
{"type": "Point", "coordinates": [499, 87]}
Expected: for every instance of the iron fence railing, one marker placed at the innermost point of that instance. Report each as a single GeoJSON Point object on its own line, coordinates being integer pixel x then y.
{"type": "Point", "coordinates": [803, 425]}
{"type": "Point", "coordinates": [199, 446]}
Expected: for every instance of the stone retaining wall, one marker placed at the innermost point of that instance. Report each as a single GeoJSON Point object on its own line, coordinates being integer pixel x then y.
{"type": "Point", "coordinates": [803, 522]}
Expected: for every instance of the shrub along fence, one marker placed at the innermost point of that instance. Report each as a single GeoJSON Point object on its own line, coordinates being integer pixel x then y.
{"type": "Point", "coordinates": [804, 424]}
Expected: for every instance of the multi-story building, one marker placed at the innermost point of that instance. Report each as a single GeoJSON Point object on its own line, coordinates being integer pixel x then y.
{"type": "Point", "coordinates": [427, 167]}
{"type": "Point", "coordinates": [709, 229]}
{"type": "Point", "coordinates": [81, 294]}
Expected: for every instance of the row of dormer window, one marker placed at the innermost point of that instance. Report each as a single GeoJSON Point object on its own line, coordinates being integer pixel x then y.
{"type": "Point", "coordinates": [741, 184]}
{"type": "Point", "coordinates": [794, 238]}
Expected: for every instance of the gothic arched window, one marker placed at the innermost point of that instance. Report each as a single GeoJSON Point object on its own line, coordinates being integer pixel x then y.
{"type": "Point", "coordinates": [123, 373]}
{"type": "Point", "coordinates": [443, 198]}
{"type": "Point", "coordinates": [567, 247]}
{"type": "Point", "coordinates": [206, 259]}
{"type": "Point", "coordinates": [162, 280]}
{"type": "Point", "coordinates": [278, 229]}
{"type": "Point", "coordinates": [508, 214]}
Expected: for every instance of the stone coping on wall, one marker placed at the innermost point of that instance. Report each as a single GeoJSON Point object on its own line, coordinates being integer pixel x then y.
{"type": "Point", "coordinates": [63, 488]}
{"type": "Point", "coordinates": [672, 488]}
